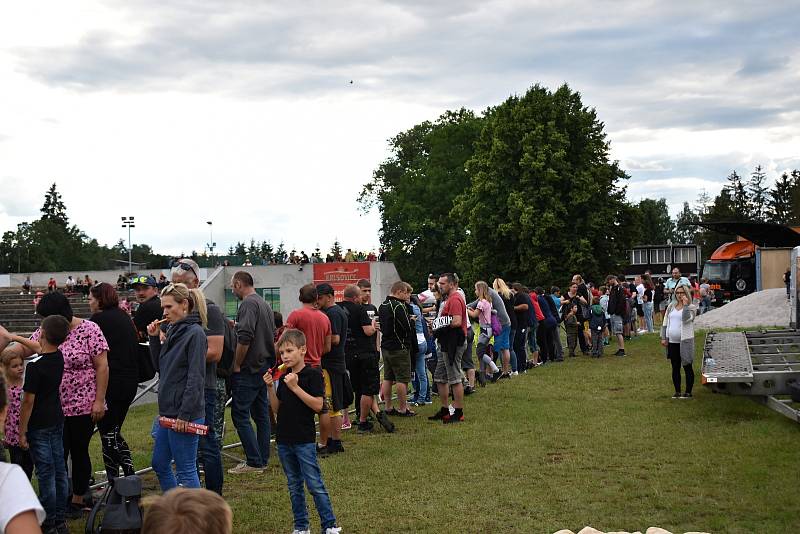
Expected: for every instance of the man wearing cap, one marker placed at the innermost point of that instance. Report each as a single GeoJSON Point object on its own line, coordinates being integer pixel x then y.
{"type": "Point", "coordinates": [184, 271]}
{"type": "Point", "coordinates": [149, 309]}
{"type": "Point", "coordinates": [333, 371]}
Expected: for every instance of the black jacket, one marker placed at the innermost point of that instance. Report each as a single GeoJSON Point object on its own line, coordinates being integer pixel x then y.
{"type": "Point", "coordinates": [398, 332]}
{"type": "Point", "coordinates": [616, 300]}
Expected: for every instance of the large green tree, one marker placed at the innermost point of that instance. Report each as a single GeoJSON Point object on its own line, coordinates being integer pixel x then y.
{"type": "Point", "coordinates": [414, 191]}
{"type": "Point", "coordinates": [657, 226]}
{"type": "Point", "coordinates": [545, 201]}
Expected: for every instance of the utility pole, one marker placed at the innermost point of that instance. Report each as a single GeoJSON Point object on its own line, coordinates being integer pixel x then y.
{"type": "Point", "coordinates": [211, 243]}
{"type": "Point", "coordinates": [127, 222]}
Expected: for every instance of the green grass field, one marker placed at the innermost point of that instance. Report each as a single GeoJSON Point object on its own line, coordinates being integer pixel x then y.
{"type": "Point", "coordinates": [586, 442]}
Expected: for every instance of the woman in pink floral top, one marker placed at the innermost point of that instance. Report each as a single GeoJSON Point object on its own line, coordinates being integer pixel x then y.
{"type": "Point", "coordinates": [13, 369]}
{"type": "Point", "coordinates": [83, 389]}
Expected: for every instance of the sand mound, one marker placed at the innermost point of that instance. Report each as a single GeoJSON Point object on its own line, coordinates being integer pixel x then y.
{"type": "Point", "coordinates": [763, 308]}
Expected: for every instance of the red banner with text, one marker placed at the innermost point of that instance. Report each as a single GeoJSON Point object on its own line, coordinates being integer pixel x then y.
{"type": "Point", "coordinates": [340, 275]}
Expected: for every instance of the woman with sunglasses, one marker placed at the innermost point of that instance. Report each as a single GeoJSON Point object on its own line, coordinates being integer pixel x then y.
{"type": "Point", "coordinates": [677, 335]}
{"type": "Point", "coordinates": [180, 360]}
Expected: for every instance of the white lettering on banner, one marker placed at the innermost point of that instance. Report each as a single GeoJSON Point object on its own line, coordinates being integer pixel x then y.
{"type": "Point", "coordinates": [442, 322]}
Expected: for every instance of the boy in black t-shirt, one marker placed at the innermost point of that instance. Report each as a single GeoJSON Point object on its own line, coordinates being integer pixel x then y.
{"type": "Point", "coordinates": [296, 399]}
{"type": "Point", "coordinates": [41, 426]}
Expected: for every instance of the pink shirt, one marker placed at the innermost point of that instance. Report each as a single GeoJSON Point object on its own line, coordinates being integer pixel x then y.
{"type": "Point", "coordinates": [84, 343]}
{"type": "Point", "coordinates": [12, 417]}
{"type": "Point", "coordinates": [485, 315]}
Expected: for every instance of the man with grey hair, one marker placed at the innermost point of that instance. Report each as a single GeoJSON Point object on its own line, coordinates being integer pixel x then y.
{"type": "Point", "coordinates": [184, 271]}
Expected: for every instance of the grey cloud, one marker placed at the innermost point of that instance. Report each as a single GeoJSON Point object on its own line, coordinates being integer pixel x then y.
{"type": "Point", "coordinates": [757, 66]}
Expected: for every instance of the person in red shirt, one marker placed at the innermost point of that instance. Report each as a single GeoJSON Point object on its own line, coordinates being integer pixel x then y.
{"type": "Point", "coordinates": [314, 324]}
{"type": "Point", "coordinates": [450, 331]}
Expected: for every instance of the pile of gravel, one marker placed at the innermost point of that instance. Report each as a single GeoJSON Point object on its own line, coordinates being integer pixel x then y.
{"type": "Point", "coordinates": [763, 308]}
{"type": "Point", "coordinates": [651, 530]}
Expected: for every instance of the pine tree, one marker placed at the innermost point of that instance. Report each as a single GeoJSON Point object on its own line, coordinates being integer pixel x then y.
{"type": "Point", "coordinates": [266, 251]}
{"type": "Point", "coordinates": [54, 209]}
{"type": "Point", "coordinates": [738, 194]}
{"type": "Point", "coordinates": [280, 254]}
{"type": "Point", "coordinates": [702, 204]}
{"type": "Point", "coordinates": [780, 200]}
{"type": "Point", "coordinates": [336, 250]}
{"type": "Point", "coordinates": [685, 229]}
{"type": "Point", "coordinates": [758, 194]}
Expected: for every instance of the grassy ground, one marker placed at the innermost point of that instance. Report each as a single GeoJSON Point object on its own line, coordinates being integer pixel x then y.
{"type": "Point", "coordinates": [586, 442]}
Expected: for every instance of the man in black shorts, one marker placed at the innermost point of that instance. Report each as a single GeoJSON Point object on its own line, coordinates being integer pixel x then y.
{"type": "Point", "coordinates": [333, 371]}
{"type": "Point", "coordinates": [363, 360]}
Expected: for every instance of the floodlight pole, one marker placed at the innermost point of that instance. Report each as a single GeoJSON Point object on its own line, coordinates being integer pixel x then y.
{"type": "Point", "coordinates": [211, 243]}
{"type": "Point", "coordinates": [127, 222]}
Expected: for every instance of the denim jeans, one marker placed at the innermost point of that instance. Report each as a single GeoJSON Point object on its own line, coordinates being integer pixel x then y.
{"type": "Point", "coordinates": [250, 398]}
{"type": "Point", "coordinates": [209, 446]}
{"type": "Point", "coordinates": [181, 447]}
{"type": "Point", "coordinates": [300, 465]}
{"type": "Point", "coordinates": [420, 382]}
{"type": "Point", "coordinates": [512, 337]}
{"type": "Point", "coordinates": [46, 446]}
{"type": "Point", "coordinates": [648, 315]}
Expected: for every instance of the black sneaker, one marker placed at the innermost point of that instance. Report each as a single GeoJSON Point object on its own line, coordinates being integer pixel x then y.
{"type": "Point", "coordinates": [73, 511]}
{"type": "Point", "coordinates": [504, 376]}
{"type": "Point", "coordinates": [676, 396]}
{"type": "Point", "coordinates": [335, 447]}
{"type": "Point", "coordinates": [469, 390]}
{"type": "Point", "coordinates": [457, 417]}
{"type": "Point", "coordinates": [365, 427]}
{"type": "Point", "coordinates": [620, 352]}
{"type": "Point", "coordinates": [439, 415]}
{"type": "Point", "coordinates": [322, 451]}
{"type": "Point", "coordinates": [687, 396]}
{"type": "Point", "coordinates": [384, 421]}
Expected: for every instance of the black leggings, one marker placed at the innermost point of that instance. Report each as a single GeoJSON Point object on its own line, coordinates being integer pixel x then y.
{"type": "Point", "coordinates": [545, 338]}
{"type": "Point", "coordinates": [116, 452]}
{"type": "Point", "coordinates": [77, 434]}
{"type": "Point", "coordinates": [674, 355]}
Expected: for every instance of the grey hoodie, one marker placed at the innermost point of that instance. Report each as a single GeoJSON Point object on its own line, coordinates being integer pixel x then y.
{"type": "Point", "coordinates": [181, 366]}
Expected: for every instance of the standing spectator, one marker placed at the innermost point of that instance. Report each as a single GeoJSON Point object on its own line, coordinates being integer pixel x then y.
{"type": "Point", "coordinates": [787, 281]}
{"type": "Point", "coordinates": [647, 302]}
{"type": "Point", "coordinates": [548, 327]}
{"type": "Point", "coordinates": [334, 372]}
{"type": "Point", "coordinates": [659, 304]}
{"type": "Point", "coordinates": [313, 323]}
{"type": "Point", "coordinates": [398, 346]}
{"type": "Point", "coordinates": [522, 307]}
{"type": "Point", "coordinates": [123, 376]}
{"type": "Point", "coordinates": [41, 423]}
{"type": "Point", "coordinates": [597, 323]}
{"type": "Point", "coordinates": [13, 369]}
{"type": "Point", "coordinates": [180, 361]}
{"type": "Point", "coordinates": [295, 400]}
{"type": "Point", "coordinates": [149, 308]}
{"type": "Point", "coordinates": [255, 353]}
{"type": "Point", "coordinates": [83, 389]}
{"type": "Point", "coordinates": [506, 294]}
{"type": "Point", "coordinates": [616, 309]}
{"type": "Point", "coordinates": [571, 325]}
{"type": "Point", "coordinates": [184, 271]}
{"type": "Point", "coordinates": [677, 335]}
{"type": "Point", "coordinates": [673, 282]}
{"type": "Point", "coordinates": [583, 312]}
{"type": "Point", "coordinates": [450, 331]}
{"type": "Point", "coordinates": [482, 310]}
{"type": "Point", "coordinates": [639, 294]}
{"type": "Point", "coordinates": [422, 392]}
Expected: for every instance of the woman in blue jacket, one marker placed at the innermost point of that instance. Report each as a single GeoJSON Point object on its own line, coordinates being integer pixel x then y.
{"type": "Point", "coordinates": [179, 356]}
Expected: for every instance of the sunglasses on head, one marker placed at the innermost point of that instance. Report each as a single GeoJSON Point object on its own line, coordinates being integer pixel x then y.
{"type": "Point", "coordinates": [179, 265]}
{"type": "Point", "coordinates": [139, 280]}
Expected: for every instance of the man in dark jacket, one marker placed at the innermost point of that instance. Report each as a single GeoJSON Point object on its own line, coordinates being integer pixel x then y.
{"type": "Point", "coordinates": [398, 343]}
{"type": "Point", "coordinates": [616, 309]}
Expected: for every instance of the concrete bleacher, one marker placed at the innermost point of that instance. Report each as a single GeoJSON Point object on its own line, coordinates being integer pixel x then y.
{"type": "Point", "coordinates": [17, 314]}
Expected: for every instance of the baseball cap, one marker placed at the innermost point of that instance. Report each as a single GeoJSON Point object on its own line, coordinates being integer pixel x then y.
{"type": "Point", "coordinates": [144, 281]}
{"type": "Point", "coordinates": [325, 289]}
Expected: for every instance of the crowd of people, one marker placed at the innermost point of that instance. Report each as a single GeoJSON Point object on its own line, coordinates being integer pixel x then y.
{"type": "Point", "coordinates": [323, 358]}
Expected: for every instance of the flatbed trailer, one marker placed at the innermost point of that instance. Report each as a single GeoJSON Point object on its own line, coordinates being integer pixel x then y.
{"type": "Point", "coordinates": [762, 365]}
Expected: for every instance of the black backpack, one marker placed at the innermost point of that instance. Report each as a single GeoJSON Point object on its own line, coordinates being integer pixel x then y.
{"type": "Point", "coordinates": [119, 507]}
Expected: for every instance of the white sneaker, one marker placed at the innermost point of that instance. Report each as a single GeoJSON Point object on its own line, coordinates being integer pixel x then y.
{"type": "Point", "coordinates": [244, 468]}
{"type": "Point", "coordinates": [451, 409]}
{"type": "Point", "coordinates": [301, 532]}
{"type": "Point", "coordinates": [333, 530]}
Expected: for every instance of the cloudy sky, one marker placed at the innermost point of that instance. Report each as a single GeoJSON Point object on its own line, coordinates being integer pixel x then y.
{"type": "Point", "coordinates": [242, 112]}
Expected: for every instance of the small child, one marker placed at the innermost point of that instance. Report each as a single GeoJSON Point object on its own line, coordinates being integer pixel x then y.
{"type": "Point", "coordinates": [296, 399]}
{"type": "Point", "coordinates": [597, 324]}
{"type": "Point", "coordinates": [41, 424]}
{"type": "Point", "coordinates": [13, 368]}
{"type": "Point", "coordinates": [188, 511]}
{"type": "Point", "coordinates": [571, 325]}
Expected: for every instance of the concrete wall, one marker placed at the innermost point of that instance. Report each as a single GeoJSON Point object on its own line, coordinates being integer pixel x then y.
{"type": "Point", "coordinates": [290, 278]}
{"type": "Point", "coordinates": [110, 276]}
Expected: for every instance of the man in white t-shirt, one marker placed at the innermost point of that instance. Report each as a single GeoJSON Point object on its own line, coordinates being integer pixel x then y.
{"type": "Point", "coordinates": [675, 281]}
{"type": "Point", "coordinates": [640, 302]}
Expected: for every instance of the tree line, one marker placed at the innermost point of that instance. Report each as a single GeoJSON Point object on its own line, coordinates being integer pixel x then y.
{"type": "Point", "coordinates": [527, 191]}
